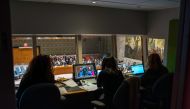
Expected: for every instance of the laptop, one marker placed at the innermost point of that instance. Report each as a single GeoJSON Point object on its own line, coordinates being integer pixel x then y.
{"type": "Point", "coordinates": [137, 69]}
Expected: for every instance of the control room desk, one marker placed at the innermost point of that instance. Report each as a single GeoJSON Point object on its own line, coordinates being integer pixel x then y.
{"type": "Point", "coordinates": [81, 99]}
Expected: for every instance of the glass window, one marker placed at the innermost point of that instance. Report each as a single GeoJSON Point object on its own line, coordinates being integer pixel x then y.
{"type": "Point", "coordinates": [22, 55]}
{"type": "Point", "coordinates": [156, 45]}
{"type": "Point", "coordinates": [129, 49]}
{"type": "Point", "coordinates": [61, 49]}
{"type": "Point", "coordinates": [95, 47]}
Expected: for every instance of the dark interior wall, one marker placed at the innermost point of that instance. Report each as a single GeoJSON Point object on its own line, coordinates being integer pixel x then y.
{"type": "Point", "coordinates": [46, 18]}
{"type": "Point", "coordinates": [7, 91]}
{"type": "Point", "coordinates": [158, 21]}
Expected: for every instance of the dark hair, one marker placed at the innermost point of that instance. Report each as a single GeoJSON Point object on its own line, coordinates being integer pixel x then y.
{"type": "Point", "coordinates": [40, 68]}
{"type": "Point", "coordinates": [154, 61]}
{"type": "Point", "coordinates": [109, 62]}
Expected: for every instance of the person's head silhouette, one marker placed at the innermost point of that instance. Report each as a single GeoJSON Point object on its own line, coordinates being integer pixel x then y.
{"type": "Point", "coordinates": [40, 68]}
{"type": "Point", "coordinates": [109, 62]}
{"type": "Point", "coordinates": [154, 61]}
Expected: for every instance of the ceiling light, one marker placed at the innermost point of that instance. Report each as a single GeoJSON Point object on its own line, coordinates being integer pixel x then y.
{"type": "Point", "coordinates": [93, 2]}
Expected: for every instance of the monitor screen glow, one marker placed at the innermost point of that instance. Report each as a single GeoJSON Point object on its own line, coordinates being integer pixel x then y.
{"type": "Point", "coordinates": [20, 70]}
{"type": "Point", "coordinates": [84, 71]}
{"type": "Point", "coordinates": [137, 69]}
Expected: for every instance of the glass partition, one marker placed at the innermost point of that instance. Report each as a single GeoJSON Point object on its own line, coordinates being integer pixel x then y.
{"type": "Point", "coordinates": [61, 49]}
{"type": "Point", "coordinates": [95, 47]}
{"type": "Point", "coordinates": [22, 55]}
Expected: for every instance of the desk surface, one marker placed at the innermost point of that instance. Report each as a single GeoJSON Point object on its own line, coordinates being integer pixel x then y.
{"type": "Point", "coordinates": [63, 91]}
{"type": "Point", "coordinates": [70, 87]}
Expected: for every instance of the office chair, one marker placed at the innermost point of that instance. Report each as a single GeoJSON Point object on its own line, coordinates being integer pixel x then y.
{"type": "Point", "coordinates": [41, 96]}
{"type": "Point", "coordinates": [126, 96]}
{"type": "Point", "coordinates": [160, 96]}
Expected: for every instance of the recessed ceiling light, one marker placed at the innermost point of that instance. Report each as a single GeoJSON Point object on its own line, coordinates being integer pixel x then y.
{"type": "Point", "coordinates": [94, 2]}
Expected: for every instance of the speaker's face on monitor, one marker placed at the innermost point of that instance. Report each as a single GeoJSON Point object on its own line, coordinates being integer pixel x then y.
{"type": "Point", "coordinates": [84, 71]}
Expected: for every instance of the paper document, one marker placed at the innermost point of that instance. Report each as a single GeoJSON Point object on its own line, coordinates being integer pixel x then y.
{"type": "Point", "coordinates": [90, 87]}
{"type": "Point", "coordinates": [70, 83]}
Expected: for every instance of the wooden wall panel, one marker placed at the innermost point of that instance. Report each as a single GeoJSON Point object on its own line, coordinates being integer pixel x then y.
{"type": "Point", "coordinates": [22, 55]}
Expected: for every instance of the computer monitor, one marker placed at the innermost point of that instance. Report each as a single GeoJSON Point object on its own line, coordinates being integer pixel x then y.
{"type": "Point", "coordinates": [84, 71]}
{"type": "Point", "coordinates": [19, 70]}
{"type": "Point", "coordinates": [137, 69]}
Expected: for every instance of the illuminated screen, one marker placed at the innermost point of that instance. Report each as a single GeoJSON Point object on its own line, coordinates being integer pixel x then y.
{"type": "Point", "coordinates": [137, 69]}
{"type": "Point", "coordinates": [20, 70]}
{"type": "Point", "coordinates": [98, 72]}
{"type": "Point", "coordinates": [83, 71]}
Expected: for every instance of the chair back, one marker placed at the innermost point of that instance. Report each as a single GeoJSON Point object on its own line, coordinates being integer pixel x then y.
{"type": "Point", "coordinates": [40, 96]}
{"type": "Point", "coordinates": [162, 88]}
{"type": "Point", "coordinates": [127, 95]}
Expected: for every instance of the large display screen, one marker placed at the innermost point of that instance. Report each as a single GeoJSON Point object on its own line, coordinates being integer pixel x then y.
{"type": "Point", "coordinates": [83, 71]}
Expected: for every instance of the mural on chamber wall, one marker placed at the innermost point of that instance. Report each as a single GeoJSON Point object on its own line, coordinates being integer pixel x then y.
{"type": "Point", "coordinates": [156, 46]}
{"type": "Point", "coordinates": [129, 49]}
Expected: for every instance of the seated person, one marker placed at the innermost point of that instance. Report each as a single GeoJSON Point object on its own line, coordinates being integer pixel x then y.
{"type": "Point", "coordinates": [154, 72]}
{"type": "Point", "coordinates": [109, 79]}
{"type": "Point", "coordinates": [38, 71]}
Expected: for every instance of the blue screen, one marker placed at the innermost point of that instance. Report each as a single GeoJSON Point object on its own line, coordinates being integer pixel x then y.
{"type": "Point", "coordinates": [137, 69]}
{"type": "Point", "coordinates": [19, 70]}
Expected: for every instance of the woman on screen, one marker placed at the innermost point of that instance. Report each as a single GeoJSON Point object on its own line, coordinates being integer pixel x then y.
{"type": "Point", "coordinates": [39, 71]}
{"type": "Point", "coordinates": [109, 79]}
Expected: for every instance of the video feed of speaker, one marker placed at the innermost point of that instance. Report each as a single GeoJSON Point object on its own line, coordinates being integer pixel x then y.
{"type": "Point", "coordinates": [83, 71]}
